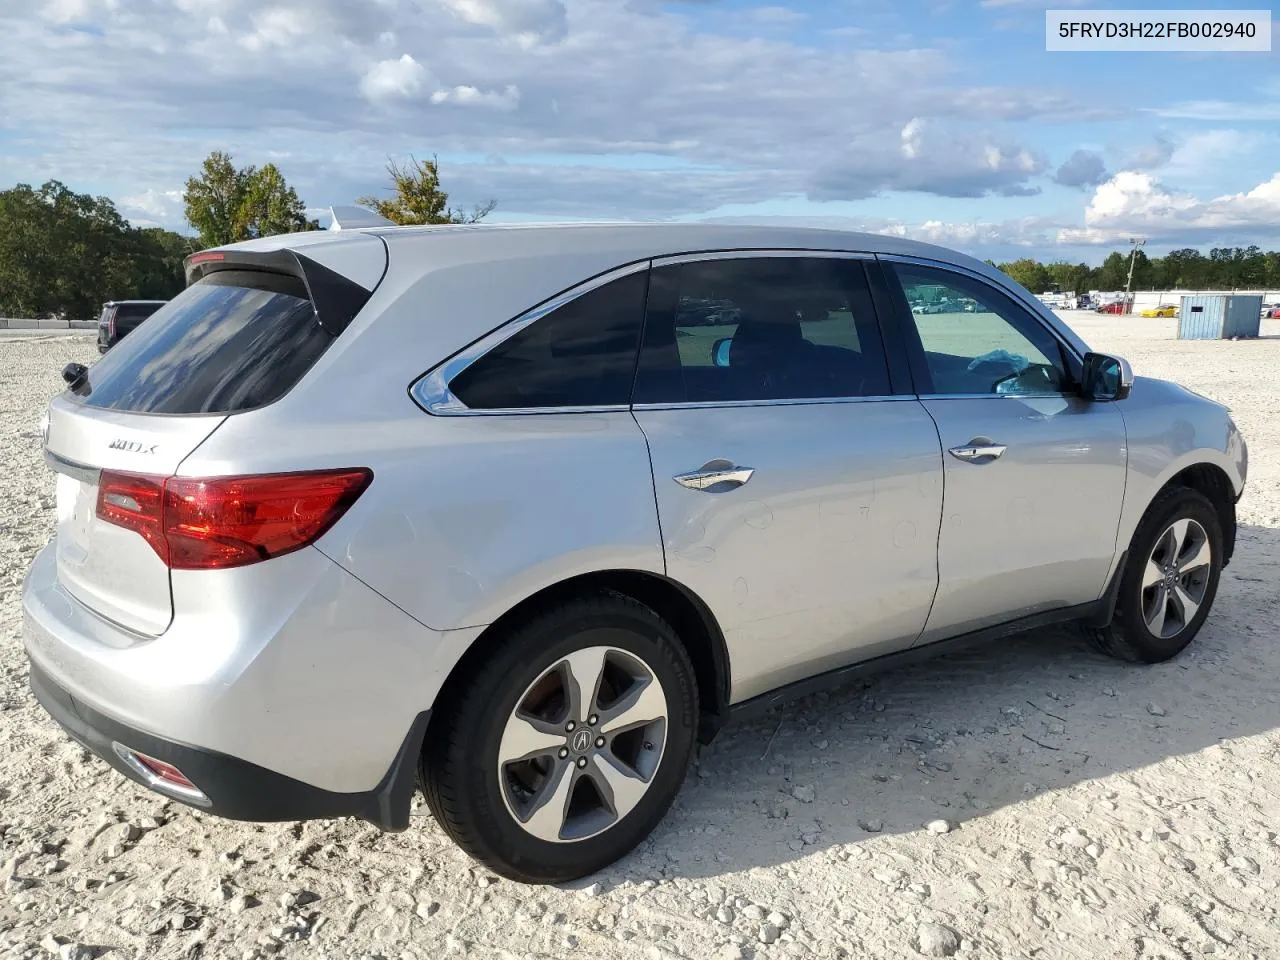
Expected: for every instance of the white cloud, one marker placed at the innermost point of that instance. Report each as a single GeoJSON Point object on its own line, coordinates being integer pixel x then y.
{"type": "Point", "coordinates": [68, 11]}
{"type": "Point", "coordinates": [1137, 204]}
{"type": "Point", "coordinates": [933, 156]}
{"type": "Point", "coordinates": [738, 118]}
{"type": "Point", "coordinates": [277, 27]}
{"type": "Point", "coordinates": [911, 138]}
{"type": "Point", "coordinates": [390, 79]}
{"type": "Point", "coordinates": [152, 207]}
{"type": "Point", "coordinates": [526, 22]}
{"type": "Point", "coordinates": [1206, 151]}
{"type": "Point", "coordinates": [468, 96]}
{"type": "Point", "coordinates": [1222, 110]}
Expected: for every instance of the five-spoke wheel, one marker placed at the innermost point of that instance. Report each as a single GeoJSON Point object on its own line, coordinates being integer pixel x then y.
{"type": "Point", "coordinates": [1169, 579]}
{"type": "Point", "coordinates": [1175, 578]}
{"type": "Point", "coordinates": [567, 740]}
{"type": "Point", "coordinates": [582, 745]}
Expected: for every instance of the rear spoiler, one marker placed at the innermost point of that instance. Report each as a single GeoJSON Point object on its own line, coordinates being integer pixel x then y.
{"type": "Point", "coordinates": [336, 299]}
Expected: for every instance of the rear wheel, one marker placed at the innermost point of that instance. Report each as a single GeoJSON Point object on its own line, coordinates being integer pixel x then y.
{"type": "Point", "coordinates": [1169, 580]}
{"type": "Point", "coordinates": [566, 747]}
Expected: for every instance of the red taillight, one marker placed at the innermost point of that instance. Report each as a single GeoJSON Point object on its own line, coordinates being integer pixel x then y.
{"type": "Point", "coordinates": [164, 771]}
{"type": "Point", "coordinates": [111, 324]}
{"type": "Point", "coordinates": [205, 258]}
{"type": "Point", "coordinates": [212, 524]}
{"type": "Point", "coordinates": [134, 501]}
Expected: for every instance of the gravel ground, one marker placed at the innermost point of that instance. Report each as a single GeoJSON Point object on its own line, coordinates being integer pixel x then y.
{"type": "Point", "coordinates": [1030, 799]}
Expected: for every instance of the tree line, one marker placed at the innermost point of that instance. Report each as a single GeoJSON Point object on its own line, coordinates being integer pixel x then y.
{"type": "Point", "coordinates": [64, 254]}
{"type": "Point", "coordinates": [1225, 268]}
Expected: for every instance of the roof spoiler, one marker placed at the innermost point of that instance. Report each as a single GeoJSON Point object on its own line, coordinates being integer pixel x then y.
{"type": "Point", "coordinates": [336, 299]}
{"type": "Point", "coordinates": [351, 218]}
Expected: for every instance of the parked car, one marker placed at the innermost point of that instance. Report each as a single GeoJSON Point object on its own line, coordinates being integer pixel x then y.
{"type": "Point", "coordinates": [347, 516]}
{"type": "Point", "coordinates": [1271, 312]}
{"type": "Point", "coordinates": [1166, 311]}
{"type": "Point", "coordinates": [1116, 306]}
{"type": "Point", "coordinates": [119, 318]}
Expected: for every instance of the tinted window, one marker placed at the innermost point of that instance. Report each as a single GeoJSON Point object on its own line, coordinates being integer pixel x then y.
{"type": "Point", "coordinates": [761, 328]}
{"type": "Point", "coordinates": [580, 355]}
{"type": "Point", "coordinates": [136, 311]}
{"type": "Point", "coordinates": [233, 341]}
{"type": "Point", "coordinates": [976, 340]}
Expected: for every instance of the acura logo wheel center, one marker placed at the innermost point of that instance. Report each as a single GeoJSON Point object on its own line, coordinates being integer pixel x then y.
{"type": "Point", "coordinates": [581, 740]}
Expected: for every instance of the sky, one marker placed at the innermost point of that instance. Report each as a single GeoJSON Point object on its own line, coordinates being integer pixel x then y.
{"type": "Point", "coordinates": [942, 120]}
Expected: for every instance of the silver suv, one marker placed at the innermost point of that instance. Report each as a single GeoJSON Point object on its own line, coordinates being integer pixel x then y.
{"type": "Point", "coordinates": [520, 514]}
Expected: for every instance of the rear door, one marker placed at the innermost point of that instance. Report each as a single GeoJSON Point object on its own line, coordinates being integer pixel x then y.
{"type": "Point", "coordinates": [798, 494]}
{"type": "Point", "coordinates": [1034, 473]}
{"type": "Point", "coordinates": [233, 341]}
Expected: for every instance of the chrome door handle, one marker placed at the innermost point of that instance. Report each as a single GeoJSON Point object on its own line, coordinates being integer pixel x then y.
{"type": "Point", "coordinates": [979, 450]}
{"type": "Point", "coordinates": [713, 473]}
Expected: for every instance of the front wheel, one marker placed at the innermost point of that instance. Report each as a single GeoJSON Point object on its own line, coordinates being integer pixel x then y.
{"type": "Point", "coordinates": [1169, 581]}
{"type": "Point", "coordinates": [564, 749]}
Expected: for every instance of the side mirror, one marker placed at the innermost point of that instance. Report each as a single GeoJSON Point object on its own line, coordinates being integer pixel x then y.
{"type": "Point", "coordinates": [1106, 377]}
{"type": "Point", "coordinates": [720, 351]}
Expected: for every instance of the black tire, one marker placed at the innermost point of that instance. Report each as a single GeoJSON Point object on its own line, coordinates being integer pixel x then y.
{"type": "Point", "coordinates": [1127, 636]}
{"type": "Point", "coordinates": [460, 771]}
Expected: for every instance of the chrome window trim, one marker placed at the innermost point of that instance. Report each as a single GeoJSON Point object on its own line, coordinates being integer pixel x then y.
{"type": "Point", "coordinates": [788, 402]}
{"type": "Point", "coordinates": [997, 396]}
{"type": "Point", "coordinates": [431, 391]}
{"type": "Point", "coordinates": [975, 275]}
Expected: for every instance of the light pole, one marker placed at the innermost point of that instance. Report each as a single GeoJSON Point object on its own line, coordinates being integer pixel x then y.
{"type": "Point", "coordinates": [1136, 242]}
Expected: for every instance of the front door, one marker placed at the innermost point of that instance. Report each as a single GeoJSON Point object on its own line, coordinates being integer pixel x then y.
{"type": "Point", "coordinates": [1034, 474]}
{"type": "Point", "coordinates": [798, 496]}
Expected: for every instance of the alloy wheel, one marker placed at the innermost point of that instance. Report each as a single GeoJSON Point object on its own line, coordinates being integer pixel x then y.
{"type": "Point", "coordinates": [1176, 578]}
{"type": "Point", "coordinates": [582, 745]}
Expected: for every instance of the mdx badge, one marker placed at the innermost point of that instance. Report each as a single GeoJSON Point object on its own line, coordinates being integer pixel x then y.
{"type": "Point", "coordinates": [133, 446]}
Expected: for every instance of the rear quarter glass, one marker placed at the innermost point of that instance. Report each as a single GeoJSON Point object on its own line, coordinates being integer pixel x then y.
{"type": "Point", "coordinates": [233, 341]}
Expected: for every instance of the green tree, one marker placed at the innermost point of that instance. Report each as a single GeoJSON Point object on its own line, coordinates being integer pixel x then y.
{"type": "Point", "coordinates": [227, 204]}
{"type": "Point", "coordinates": [1113, 272]}
{"type": "Point", "coordinates": [1069, 277]}
{"type": "Point", "coordinates": [1030, 273]}
{"type": "Point", "coordinates": [65, 253]}
{"type": "Point", "coordinates": [1271, 270]}
{"type": "Point", "coordinates": [417, 197]}
{"type": "Point", "coordinates": [158, 257]}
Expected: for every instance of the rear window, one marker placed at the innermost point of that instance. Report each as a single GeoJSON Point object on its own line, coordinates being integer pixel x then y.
{"type": "Point", "coordinates": [133, 311]}
{"type": "Point", "coordinates": [233, 341]}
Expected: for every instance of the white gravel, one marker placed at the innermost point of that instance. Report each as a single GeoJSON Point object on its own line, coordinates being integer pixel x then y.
{"type": "Point", "coordinates": [1095, 809]}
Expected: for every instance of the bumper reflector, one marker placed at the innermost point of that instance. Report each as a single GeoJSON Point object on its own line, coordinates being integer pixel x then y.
{"type": "Point", "coordinates": [161, 776]}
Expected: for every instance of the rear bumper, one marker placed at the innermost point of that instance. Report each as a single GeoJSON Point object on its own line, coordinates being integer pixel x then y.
{"type": "Point", "coordinates": [235, 788]}
{"type": "Point", "coordinates": [288, 677]}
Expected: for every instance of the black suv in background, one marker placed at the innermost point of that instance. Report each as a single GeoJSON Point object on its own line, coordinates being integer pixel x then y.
{"type": "Point", "coordinates": [120, 317]}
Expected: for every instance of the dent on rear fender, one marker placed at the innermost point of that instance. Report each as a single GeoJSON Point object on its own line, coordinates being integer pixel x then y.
{"type": "Point", "coordinates": [468, 516]}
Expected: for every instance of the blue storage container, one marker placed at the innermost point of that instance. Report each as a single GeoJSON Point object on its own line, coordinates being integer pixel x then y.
{"type": "Point", "coordinates": [1219, 316]}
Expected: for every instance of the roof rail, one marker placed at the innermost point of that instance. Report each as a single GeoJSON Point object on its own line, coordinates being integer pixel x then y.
{"type": "Point", "coordinates": [352, 217]}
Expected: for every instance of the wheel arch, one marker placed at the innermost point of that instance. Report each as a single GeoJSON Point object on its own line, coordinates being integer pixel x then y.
{"type": "Point", "coordinates": [1215, 484]}
{"type": "Point", "coordinates": [688, 615]}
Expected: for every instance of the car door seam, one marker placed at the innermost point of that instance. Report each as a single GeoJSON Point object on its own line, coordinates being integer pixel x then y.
{"type": "Point", "coordinates": [653, 485]}
{"type": "Point", "coordinates": [942, 514]}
